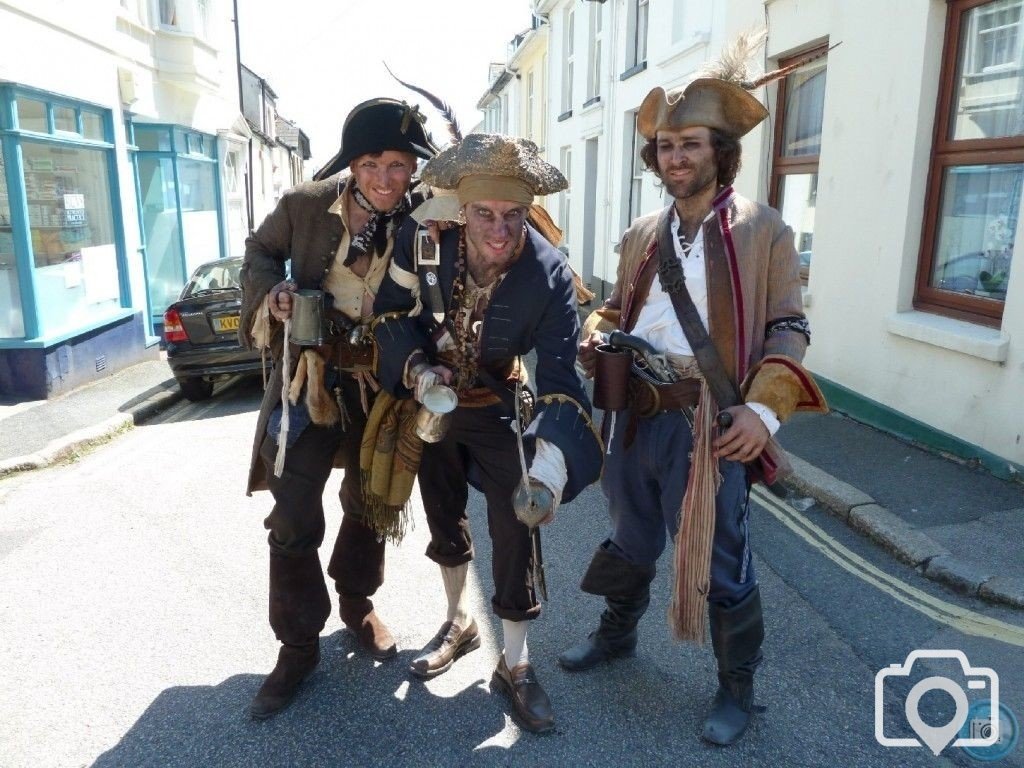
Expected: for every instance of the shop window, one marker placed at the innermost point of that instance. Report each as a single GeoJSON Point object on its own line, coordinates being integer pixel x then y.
{"type": "Point", "coordinates": [153, 139]}
{"type": "Point", "coordinates": [794, 187]}
{"type": "Point", "coordinates": [92, 126]}
{"type": "Point", "coordinates": [977, 166]}
{"type": "Point", "coordinates": [12, 323]}
{"type": "Point", "coordinates": [71, 223]}
{"type": "Point", "coordinates": [32, 115]}
{"type": "Point", "coordinates": [178, 204]}
{"type": "Point", "coordinates": [65, 119]}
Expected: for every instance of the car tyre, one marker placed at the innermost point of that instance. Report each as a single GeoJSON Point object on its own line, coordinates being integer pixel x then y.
{"type": "Point", "coordinates": [196, 389]}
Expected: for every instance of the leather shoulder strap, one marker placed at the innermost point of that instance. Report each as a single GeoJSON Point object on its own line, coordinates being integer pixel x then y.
{"type": "Point", "coordinates": [674, 284]}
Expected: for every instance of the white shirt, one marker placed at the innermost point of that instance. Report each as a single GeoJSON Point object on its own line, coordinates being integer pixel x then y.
{"type": "Point", "coordinates": [659, 324]}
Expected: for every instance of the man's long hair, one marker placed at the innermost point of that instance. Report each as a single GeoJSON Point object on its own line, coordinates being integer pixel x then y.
{"type": "Point", "coordinates": [727, 151]}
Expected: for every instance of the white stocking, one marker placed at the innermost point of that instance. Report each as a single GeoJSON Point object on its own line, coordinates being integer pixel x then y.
{"type": "Point", "coordinates": [455, 588]}
{"type": "Point", "coordinates": [516, 651]}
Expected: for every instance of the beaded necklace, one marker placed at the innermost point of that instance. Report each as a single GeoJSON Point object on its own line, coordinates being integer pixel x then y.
{"type": "Point", "coordinates": [465, 351]}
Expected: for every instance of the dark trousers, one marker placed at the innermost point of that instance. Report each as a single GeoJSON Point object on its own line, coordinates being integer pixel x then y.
{"type": "Point", "coordinates": [645, 485]}
{"type": "Point", "coordinates": [299, 602]}
{"type": "Point", "coordinates": [480, 444]}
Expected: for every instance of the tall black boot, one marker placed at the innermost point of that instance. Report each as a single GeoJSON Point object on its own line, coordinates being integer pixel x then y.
{"type": "Point", "coordinates": [627, 593]}
{"type": "Point", "coordinates": [736, 636]}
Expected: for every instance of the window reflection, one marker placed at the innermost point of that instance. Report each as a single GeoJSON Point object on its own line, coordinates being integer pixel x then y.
{"type": "Point", "coordinates": [989, 97]}
{"type": "Point", "coordinates": [980, 207]}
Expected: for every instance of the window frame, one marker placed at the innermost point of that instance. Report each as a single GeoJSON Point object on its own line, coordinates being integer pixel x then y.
{"type": "Point", "coordinates": [634, 204]}
{"type": "Point", "coordinates": [948, 153]}
{"type": "Point", "coordinates": [782, 165]}
{"type": "Point", "coordinates": [568, 59]}
{"type": "Point", "coordinates": [594, 51]}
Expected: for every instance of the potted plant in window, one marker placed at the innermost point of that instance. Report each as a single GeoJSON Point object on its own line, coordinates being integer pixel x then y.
{"type": "Point", "coordinates": [993, 277]}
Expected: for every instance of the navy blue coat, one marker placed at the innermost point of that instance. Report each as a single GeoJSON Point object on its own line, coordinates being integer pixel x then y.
{"type": "Point", "coordinates": [533, 308]}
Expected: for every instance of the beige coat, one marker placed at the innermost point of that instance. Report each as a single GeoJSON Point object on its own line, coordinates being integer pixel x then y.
{"type": "Point", "coordinates": [752, 279]}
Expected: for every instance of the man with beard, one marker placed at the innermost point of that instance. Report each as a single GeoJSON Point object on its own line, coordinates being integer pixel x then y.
{"type": "Point", "coordinates": [464, 315]}
{"type": "Point", "coordinates": [668, 472]}
{"type": "Point", "coordinates": [338, 232]}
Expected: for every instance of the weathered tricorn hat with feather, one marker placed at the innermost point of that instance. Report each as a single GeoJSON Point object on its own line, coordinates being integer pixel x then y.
{"type": "Point", "coordinates": [718, 97]}
{"type": "Point", "coordinates": [493, 155]}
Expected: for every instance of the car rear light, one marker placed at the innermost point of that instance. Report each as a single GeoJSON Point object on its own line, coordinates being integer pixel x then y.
{"type": "Point", "coordinates": [173, 329]}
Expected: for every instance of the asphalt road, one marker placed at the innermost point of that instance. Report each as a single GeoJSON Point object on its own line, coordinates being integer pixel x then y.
{"type": "Point", "coordinates": [135, 634]}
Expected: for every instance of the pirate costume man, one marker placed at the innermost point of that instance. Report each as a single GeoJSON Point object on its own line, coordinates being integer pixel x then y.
{"type": "Point", "coordinates": [713, 263]}
{"type": "Point", "coordinates": [317, 424]}
{"type": "Point", "coordinates": [494, 290]}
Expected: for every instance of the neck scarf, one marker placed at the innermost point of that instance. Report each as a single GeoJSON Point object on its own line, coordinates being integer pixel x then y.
{"type": "Point", "coordinates": [379, 227]}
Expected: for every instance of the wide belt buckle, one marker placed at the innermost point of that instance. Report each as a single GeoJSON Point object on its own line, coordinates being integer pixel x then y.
{"type": "Point", "coordinates": [428, 253]}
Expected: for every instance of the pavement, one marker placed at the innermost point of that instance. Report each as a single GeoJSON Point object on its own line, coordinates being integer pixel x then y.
{"type": "Point", "coordinates": [954, 523]}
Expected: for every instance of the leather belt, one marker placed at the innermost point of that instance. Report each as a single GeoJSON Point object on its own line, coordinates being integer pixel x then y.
{"type": "Point", "coordinates": [647, 399]}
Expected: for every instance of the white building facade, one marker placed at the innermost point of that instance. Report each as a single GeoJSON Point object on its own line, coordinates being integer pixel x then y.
{"type": "Point", "coordinates": [115, 122]}
{"type": "Point", "coordinates": [897, 158]}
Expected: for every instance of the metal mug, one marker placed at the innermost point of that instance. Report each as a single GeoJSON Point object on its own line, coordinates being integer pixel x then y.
{"type": "Point", "coordinates": [308, 318]}
{"type": "Point", "coordinates": [435, 414]}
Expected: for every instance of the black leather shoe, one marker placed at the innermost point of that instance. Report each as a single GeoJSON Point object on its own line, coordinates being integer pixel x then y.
{"type": "Point", "coordinates": [294, 664]}
{"type": "Point", "coordinates": [531, 707]}
{"type": "Point", "coordinates": [450, 642]}
{"type": "Point", "coordinates": [592, 652]}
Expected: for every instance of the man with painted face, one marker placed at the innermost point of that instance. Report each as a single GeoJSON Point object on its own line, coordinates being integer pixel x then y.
{"type": "Point", "coordinates": [670, 472]}
{"type": "Point", "coordinates": [495, 290]}
{"type": "Point", "coordinates": [338, 232]}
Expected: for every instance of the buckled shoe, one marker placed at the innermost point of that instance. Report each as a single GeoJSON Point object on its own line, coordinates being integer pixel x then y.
{"type": "Point", "coordinates": [531, 707]}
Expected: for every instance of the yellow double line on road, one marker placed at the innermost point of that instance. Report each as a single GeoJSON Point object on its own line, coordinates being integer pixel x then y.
{"type": "Point", "coordinates": [968, 622]}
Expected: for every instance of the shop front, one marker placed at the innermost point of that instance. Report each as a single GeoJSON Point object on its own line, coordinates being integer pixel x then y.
{"type": "Point", "coordinates": [178, 187]}
{"type": "Point", "coordinates": [66, 313]}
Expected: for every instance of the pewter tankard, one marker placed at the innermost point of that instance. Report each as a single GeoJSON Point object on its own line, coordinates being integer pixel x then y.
{"type": "Point", "coordinates": [308, 318]}
{"type": "Point", "coordinates": [435, 415]}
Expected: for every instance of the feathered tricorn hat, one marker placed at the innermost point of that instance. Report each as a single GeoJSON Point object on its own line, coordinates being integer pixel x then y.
{"type": "Point", "coordinates": [719, 96]}
{"type": "Point", "coordinates": [490, 157]}
{"type": "Point", "coordinates": [378, 125]}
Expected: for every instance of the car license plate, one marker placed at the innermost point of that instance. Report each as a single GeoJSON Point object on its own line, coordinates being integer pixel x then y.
{"type": "Point", "coordinates": [225, 323]}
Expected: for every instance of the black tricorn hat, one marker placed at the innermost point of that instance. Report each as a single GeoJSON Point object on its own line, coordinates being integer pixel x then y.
{"type": "Point", "coordinates": [379, 125]}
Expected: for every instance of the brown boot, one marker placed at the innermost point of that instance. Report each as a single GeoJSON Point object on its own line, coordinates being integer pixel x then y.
{"type": "Point", "coordinates": [294, 664]}
{"type": "Point", "coordinates": [363, 622]}
{"type": "Point", "coordinates": [531, 707]}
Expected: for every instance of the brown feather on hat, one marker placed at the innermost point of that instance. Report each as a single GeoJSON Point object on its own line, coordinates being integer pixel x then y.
{"type": "Point", "coordinates": [719, 96]}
